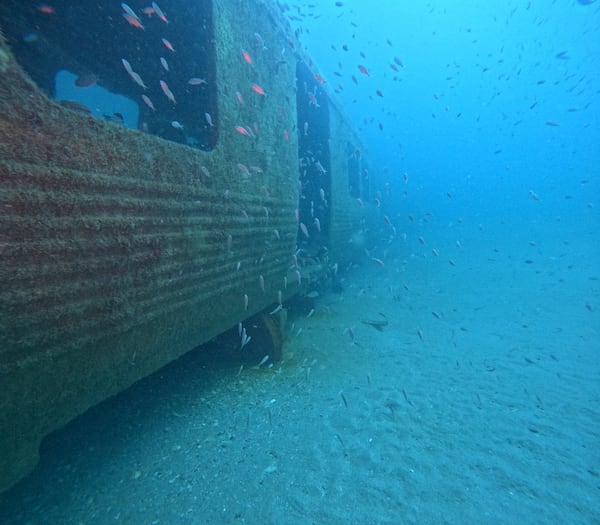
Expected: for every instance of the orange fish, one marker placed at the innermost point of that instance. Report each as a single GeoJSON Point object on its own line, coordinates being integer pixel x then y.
{"type": "Point", "coordinates": [168, 45]}
{"type": "Point", "coordinates": [246, 56]}
{"type": "Point", "coordinates": [133, 20]}
{"type": "Point", "coordinates": [46, 9]}
{"type": "Point", "coordinates": [256, 88]}
{"type": "Point", "coordinates": [320, 79]}
{"type": "Point", "coordinates": [242, 130]}
{"type": "Point", "coordinates": [159, 12]}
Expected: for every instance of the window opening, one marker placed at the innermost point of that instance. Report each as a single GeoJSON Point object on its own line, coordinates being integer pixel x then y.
{"type": "Point", "coordinates": [315, 164]}
{"type": "Point", "coordinates": [162, 60]}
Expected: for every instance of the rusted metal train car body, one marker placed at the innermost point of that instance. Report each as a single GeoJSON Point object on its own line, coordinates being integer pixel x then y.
{"type": "Point", "coordinates": [121, 249]}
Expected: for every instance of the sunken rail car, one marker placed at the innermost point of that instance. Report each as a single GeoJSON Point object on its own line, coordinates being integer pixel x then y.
{"type": "Point", "coordinates": [158, 185]}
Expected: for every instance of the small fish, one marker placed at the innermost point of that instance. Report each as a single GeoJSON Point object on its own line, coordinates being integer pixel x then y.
{"type": "Point", "coordinates": [168, 93]}
{"type": "Point", "coordinates": [320, 167]}
{"type": "Point", "coordinates": [263, 361]}
{"type": "Point", "coordinates": [243, 169]}
{"type": "Point", "coordinates": [127, 66]}
{"type": "Point", "coordinates": [159, 12]}
{"type": "Point", "coordinates": [259, 41]}
{"type": "Point", "coordinates": [406, 397]}
{"type": "Point", "coordinates": [137, 79]}
{"type": "Point", "coordinates": [164, 63]}
{"type": "Point", "coordinates": [257, 89]}
{"type": "Point", "coordinates": [195, 81]}
{"type": "Point", "coordinates": [344, 400]}
{"type": "Point", "coordinates": [208, 119]}
{"type": "Point", "coordinates": [239, 97]}
{"type": "Point", "coordinates": [377, 261]}
{"type": "Point", "coordinates": [148, 102]}
{"type": "Point", "coordinates": [242, 130]}
{"type": "Point", "coordinates": [129, 11]}
{"type": "Point", "coordinates": [351, 333]}
{"type": "Point", "coordinates": [134, 21]}
{"type": "Point", "coordinates": [304, 230]}
{"type": "Point", "coordinates": [168, 45]}
{"type": "Point", "coordinates": [177, 125]}
{"type": "Point", "coordinates": [277, 309]}
{"type": "Point", "coordinates": [46, 9]}
{"type": "Point", "coordinates": [245, 339]}
{"type": "Point", "coordinates": [247, 56]}
{"type": "Point", "coordinates": [245, 301]}
{"type": "Point", "coordinates": [86, 80]}
{"type": "Point", "coordinates": [364, 70]}
{"type": "Point", "coordinates": [313, 100]}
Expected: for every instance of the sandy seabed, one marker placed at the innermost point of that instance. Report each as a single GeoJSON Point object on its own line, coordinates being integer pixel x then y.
{"type": "Point", "coordinates": [478, 402]}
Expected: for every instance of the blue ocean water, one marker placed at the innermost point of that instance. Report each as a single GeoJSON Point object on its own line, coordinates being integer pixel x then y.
{"type": "Point", "coordinates": [492, 99]}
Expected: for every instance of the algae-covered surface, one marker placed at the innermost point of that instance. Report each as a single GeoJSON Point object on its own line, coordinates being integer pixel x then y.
{"type": "Point", "coordinates": [477, 402]}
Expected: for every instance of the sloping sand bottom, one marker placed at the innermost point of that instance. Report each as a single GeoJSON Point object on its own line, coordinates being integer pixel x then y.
{"type": "Point", "coordinates": [478, 402]}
